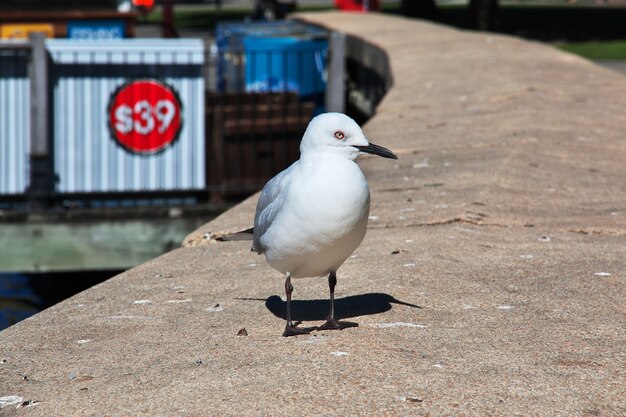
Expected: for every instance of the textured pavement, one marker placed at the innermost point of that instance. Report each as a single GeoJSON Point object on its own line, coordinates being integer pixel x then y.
{"type": "Point", "coordinates": [503, 220]}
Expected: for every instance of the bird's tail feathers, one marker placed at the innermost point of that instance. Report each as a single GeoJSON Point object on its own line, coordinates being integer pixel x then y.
{"type": "Point", "coordinates": [242, 235]}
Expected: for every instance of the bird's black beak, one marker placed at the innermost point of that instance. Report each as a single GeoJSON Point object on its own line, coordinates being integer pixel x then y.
{"type": "Point", "coordinates": [377, 150]}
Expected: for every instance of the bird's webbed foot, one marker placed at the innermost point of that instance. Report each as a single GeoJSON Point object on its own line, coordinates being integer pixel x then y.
{"type": "Point", "coordinates": [293, 329]}
{"type": "Point", "coordinates": [333, 324]}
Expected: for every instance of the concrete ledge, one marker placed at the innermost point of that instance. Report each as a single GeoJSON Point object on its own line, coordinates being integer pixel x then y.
{"type": "Point", "coordinates": [503, 219]}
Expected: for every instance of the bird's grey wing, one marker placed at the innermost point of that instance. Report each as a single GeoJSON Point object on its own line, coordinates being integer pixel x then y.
{"type": "Point", "coordinates": [270, 202]}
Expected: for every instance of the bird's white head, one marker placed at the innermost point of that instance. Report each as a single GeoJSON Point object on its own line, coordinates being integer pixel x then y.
{"type": "Point", "coordinates": [340, 135]}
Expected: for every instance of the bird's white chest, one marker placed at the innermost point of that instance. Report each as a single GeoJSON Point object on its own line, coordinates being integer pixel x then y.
{"type": "Point", "coordinates": [333, 198]}
{"type": "Point", "coordinates": [325, 216]}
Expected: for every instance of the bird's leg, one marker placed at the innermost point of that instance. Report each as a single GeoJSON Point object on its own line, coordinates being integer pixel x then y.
{"type": "Point", "coordinates": [331, 322]}
{"type": "Point", "coordinates": [290, 328]}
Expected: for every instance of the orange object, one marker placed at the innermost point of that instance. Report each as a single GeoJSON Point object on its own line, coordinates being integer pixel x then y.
{"type": "Point", "coordinates": [358, 5]}
{"type": "Point", "coordinates": [21, 30]}
{"type": "Point", "coordinates": [148, 4]}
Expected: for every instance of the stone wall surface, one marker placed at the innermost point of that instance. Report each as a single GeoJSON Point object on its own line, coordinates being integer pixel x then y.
{"type": "Point", "coordinates": [504, 219]}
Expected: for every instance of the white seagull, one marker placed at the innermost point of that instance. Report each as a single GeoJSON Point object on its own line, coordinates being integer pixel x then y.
{"type": "Point", "coordinates": [313, 215]}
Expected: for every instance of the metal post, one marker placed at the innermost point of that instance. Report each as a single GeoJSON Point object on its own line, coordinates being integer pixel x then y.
{"type": "Point", "coordinates": [167, 24]}
{"type": "Point", "coordinates": [38, 74]}
{"type": "Point", "coordinates": [335, 88]}
{"type": "Point", "coordinates": [41, 172]}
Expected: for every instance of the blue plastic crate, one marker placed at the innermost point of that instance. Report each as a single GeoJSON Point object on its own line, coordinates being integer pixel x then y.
{"type": "Point", "coordinates": [273, 57]}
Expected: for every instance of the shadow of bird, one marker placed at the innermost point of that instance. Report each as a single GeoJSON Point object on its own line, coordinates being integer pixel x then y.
{"type": "Point", "coordinates": [352, 306]}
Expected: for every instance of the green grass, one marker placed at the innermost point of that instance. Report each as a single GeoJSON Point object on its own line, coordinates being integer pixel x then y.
{"type": "Point", "coordinates": [199, 18]}
{"type": "Point", "coordinates": [592, 32]}
{"type": "Point", "coordinates": [207, 19]}
{"type": "Point", "coordinates": [607, 50]}
{"type": "Point", "coordinates": [595, 33]}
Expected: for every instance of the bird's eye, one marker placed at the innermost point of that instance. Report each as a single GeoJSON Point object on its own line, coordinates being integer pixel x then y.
{"type": "Point", "coordinates": [339, 135]}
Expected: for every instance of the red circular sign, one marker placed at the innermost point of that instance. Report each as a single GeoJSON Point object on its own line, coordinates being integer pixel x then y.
{"type": "Point", "coordinates": [145, 116]}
